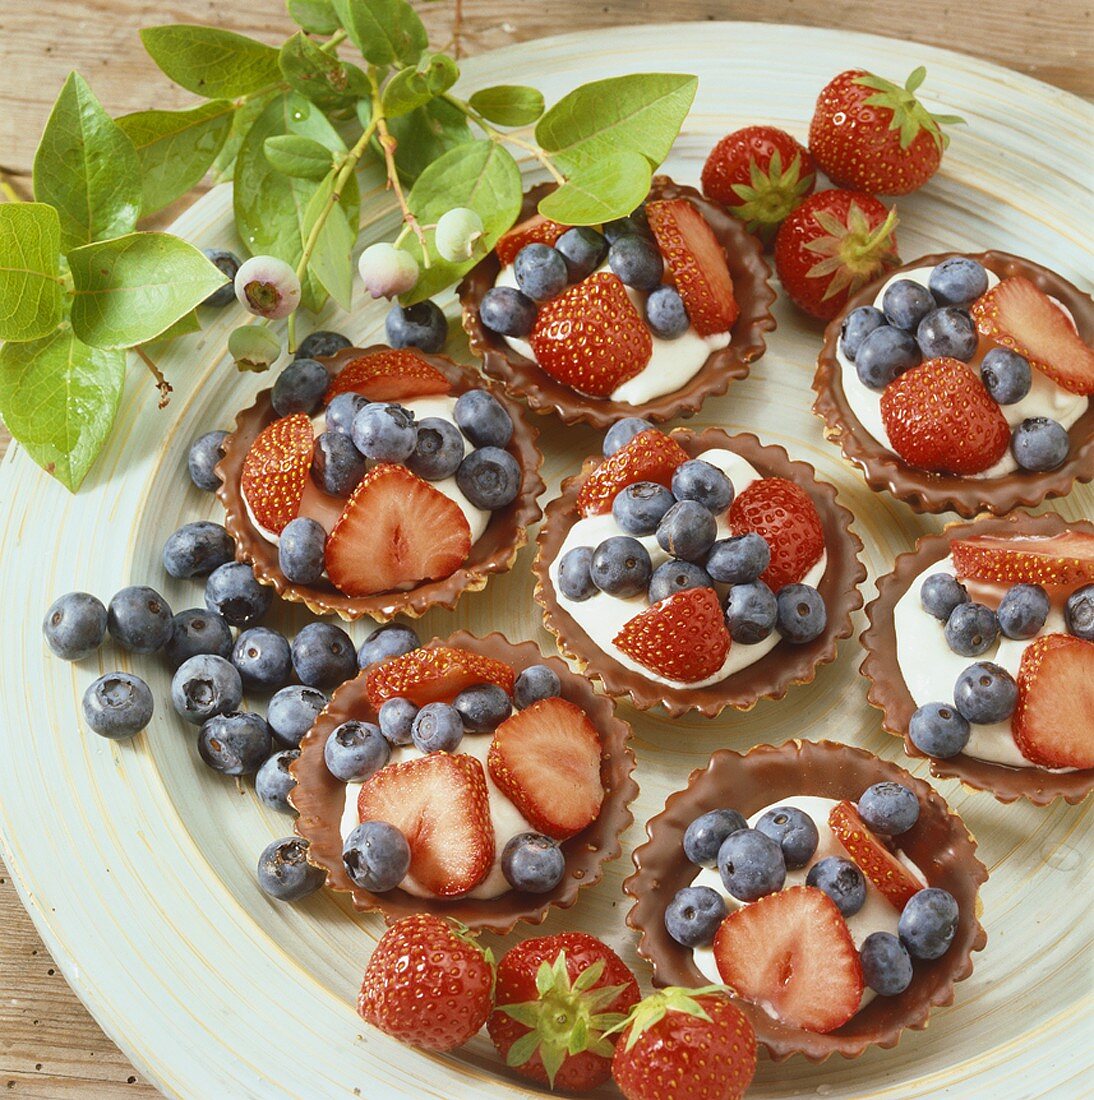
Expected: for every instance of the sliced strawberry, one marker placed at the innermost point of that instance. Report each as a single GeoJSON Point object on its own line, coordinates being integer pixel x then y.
{"type": "Point", "coordinates": [1019, 315]}
{"type": "Point", "coordinates": [697, 264]}
{"type": "Point", "coordinates": [650, 456]}
{"type": "Point", "coordinates": [436, 674]}
{"type": "Point", "coordinates": [591, 337]}
{"type": "Point", "coordinates": [792, 950]}
{"type": "Point", "coordinates": [546, 760]}
{"type": "Point", "coordinates": [683, 637]}
{"type": "Point", "coordinates": [939, 417]}
{"type": "Point", "coordinates": [389, 375]}
{"type": "Point", "coordinates": [440, 804]}
{"type": "Point", "coordinates": [1061, 560]}
{"type": "Point", "coordinates": [785, 515]}
{"type": "Point", "coordinates": [1053, 723]}
{"type": "Point", "coordinates": [275, 471]}
{"type": "Point", "coordinates": [534, 230]}
{"type": "Point", "coordinates": [394, 532]}
{"type": "Point", "coordinates": [875, 861]}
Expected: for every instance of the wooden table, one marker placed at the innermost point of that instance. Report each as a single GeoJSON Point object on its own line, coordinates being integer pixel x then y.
{"type": "Point", "coordinates": [49, 1046]}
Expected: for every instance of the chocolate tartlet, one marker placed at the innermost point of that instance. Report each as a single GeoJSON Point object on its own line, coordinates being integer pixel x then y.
{"type": "Point", "coordinates": [769, 677]}
{"type": "Point", "coordinates": [319, 800]}
{"type": "Point", "coordinates": [939, 843]}
{"type": "Point", "coordinates": [922, 490]}
{"type": "Point", "coordinates": [523, 378]}
{"type": "Point", "coordinates": [494, 552]}
{"type": "Point", "coordinates": [889, 693]}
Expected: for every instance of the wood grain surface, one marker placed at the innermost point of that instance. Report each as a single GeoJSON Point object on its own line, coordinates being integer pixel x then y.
{"type": "Point", "coordinates": [50, 1047]}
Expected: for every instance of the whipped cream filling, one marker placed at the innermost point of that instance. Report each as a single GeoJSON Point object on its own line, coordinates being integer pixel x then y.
{"type": "Point", "coordinates": [602, 616]}
{"type": "Point", "coordinates": [876, 915]}
{"type": "Point", "coordinates": [1045, 397]}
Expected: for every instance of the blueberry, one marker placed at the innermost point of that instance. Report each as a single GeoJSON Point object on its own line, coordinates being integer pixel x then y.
{"type": "Point", "coordinates": [438, 451]}
{"type": "Point", "coordinates": [857, 325]}
{"type": "Point", "coordinates": [118, 705]}
{"type": "Point", "coordinates": [622, 432]}
{"type": "Point", "coordinates": [751, 865]}
{"type": "Point", "coordinates": [483, 707]}
{"type": "Point", "coordinates": [984, 693]}
{"type": "Point", "coordinates": [322, 342]}
{"type": "Point", "coordinates": [139, 619]}
{"type": "Point", "coordinates": [665, 312]}
{"type": "Point", "coordinates": [196, 549]}
{"type": "Point", "coordinates": [205, 452]}
{"type": "Point", "coordinates": [957, 281]}
{"type": "Point", "coordinates": [575, 579]}
{"type": "Point", "coordinates": [640, 507]}
{"type": "Point", "coordinates": [396, 718]}
{"type": "Point", "coordinates": [687, 531]}
{"type": "Point", "coordinates": [536, 682]}
{"type": "Point", "coordinates": [938, 730]}
{"type": "Point", "coordinates": [389, 640]}
{"type": "Point", "coordinates": [583, 249]}
{"type": "Point", "coordinates": [885, 355]}
{"type": "Point", "coordinates": [263, 658]}
{"type": "Point", "coordinates": [437, 727]}
{"type": "Point", "coordinates": [489, 477]}
{"type": "Point", "coordinates": [704, 836]}
{"type": "Point", "coordinates": [75, 625]}
{"type": "Point", "coordinates": [483, 419]}
{"type": "Point", "coordinates": [336, 465]}
{"type": "Point", "coordinates": [355, 750]}
{"type": "Point", "coordinates": [636, 261]}
{"type": "Point", "coordinates": [940, 593]}
{"type": "Point", "coordinates": [928, 923]}
{"type": "Point", "coordinates": [794, 831]}
{"type": "Point", "coordinates": [971, 629]}
{"type": "Point", "coordinates": [1079, 613]}
{"type": "Point", "coordinates": [301, 550]}
{"type": "Point", "coordinates": [235, 744]}
{"type": "Point", "coordinates": [205, 685]}
{"type": "Point", "coordinates": [886, 965]}
{"type": "Point", "coordinates": [274, 781]}
{"type": "Point", "coordinates": [889, 808]}
{"type": "Point", "coordinates": [675, 576]}
{"type": "Point", "coordinates": [948, 331]}
{"type": "Point", "coordinates": [376, 856]}
{"type": "Point", "coordinates": [702, 482]}
{"type": "Point", "coordinates": [421, 325]}
{"type": "Point", "coordinates": [1040, 443]}
{"type": "Point", "coordinates": [508, 311]}
{"type": "Point", "coordinates": [739, 559]}
{"type": "Point", "coordinates": [233, 592]}
{"type": "Point", "coordinates": [292, 712]}
{"type": "Point", "coordinates": [634, 224]}
{"type": "Point", "coordinates": [342, 411]}
{"type": "Point", "coordinates": [621, 566]}
{"type": "Point", "coordinates": [694, 915]}
{"type": "Point", "coordinates": [197, 631]}
{"type": "Point", "coordinates": [1007, 376]}
{"type": "Point", "coordinates": [905, 303]}
{"type": "Point", "coordinates": [751, 612]}
{"type": "Point", "coordinates": [841, 880]}
{"type": "Point", "coordinates": [227, 263]}
{"type": "Point", "coordinates": [323, 655]}
{"type": "Point", "coordinates": [385, 433]}
{"type": "Point", "coordinates": [540, 271]}
{"type": "Point", "coordinates": [300, 387]}
{"type": "Point", "coordinates": [802, 615]}
{"type": "Point", "coordinates": [284, 871]}
{"type": "Point", "coordinates": [1022, 611]}
{"type": "Point", "coordinates": [532, 862]}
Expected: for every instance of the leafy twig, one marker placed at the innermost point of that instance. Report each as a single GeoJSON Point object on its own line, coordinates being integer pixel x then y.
{"type": "Point", "coordinates": [162, 384]}
{"type": "Point", "coordinates": [498, 135]}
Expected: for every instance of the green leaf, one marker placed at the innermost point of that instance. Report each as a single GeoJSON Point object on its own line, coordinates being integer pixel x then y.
{"type": "Point", "coordinates": [385, 31]}
{"type": "Point", "coordinates": [509, 104]}
{"type": "Point", "coordinates": [176, 148]}
{"type": "Point", "coordinates": [30, 290]}
{"type": "Point", "coordinates": [641, 113]}
{"type": "Point", "coordinates": [210, 62]}
{"type": "Point", "coordinates": [596, 193]}
{"type": "Point", "coordinates": [87, 168]}
{"type": "Point", "coordinates": [315, 16]}
{"type": "Point", "coordinates": [59, 398]}
{"type": "Point", "coordinates": [242, 120]}
{"type": "Point", "coordinates": [319, 75]}
{"type": "Point", "coordinates": [481, 175]}
{"type": "Point", "coordinates": [417, 85]}
{"type": "Point", "coordinates": [186, 325]}
{"type": "Point", "coordinates": [298, 156]}
{"type": "Point", "coordinates": [132, 289]}
{"type": "Point", "coordinates": [331, 260]}
{"type": "Point", "coordinates": [425, 135]}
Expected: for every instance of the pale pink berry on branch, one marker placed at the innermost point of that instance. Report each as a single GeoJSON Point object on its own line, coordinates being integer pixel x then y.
{"type": "Point", "coordinates": [386, 270]}
{"type": "Point", "coordinates": [457, 232]}
{"type": "Point", "coordinates": [268, 287]}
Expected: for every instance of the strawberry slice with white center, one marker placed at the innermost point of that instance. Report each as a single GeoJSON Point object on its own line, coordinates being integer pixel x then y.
{"type": "Point", "coordinates": [874, 860]}
{"type": "Point", "coordinates": [394, 374]}
{"type": "Point", "coordinates": [1053, 722]}
{"type": "Point", "coordinates": [440, 804]}
{"type": "Point", "coordinates": [650, 456]}
{"type": "Point", "coordinates": [395, 531]}
{"type": "Point", "coordinates": [697, 264]}
{"type": "Point", "coordinates": [546, 760]}
{"type": "Point", "coordinates": [1019, 315]}
{"type": "Point", "coordinates": [1065, 560]}
{"type": "Point", "coordinates": [435, 674]}
{"type": "Point", "coordinates": [275, 471]}
{"type": "Point", "coordinates": [534, 230]}
{"type": "Point", "coordinates": [792, 950]}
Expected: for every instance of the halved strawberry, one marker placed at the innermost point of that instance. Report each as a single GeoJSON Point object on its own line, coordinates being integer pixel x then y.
{"type": "Point", "coordinates": [792, 950]}
{"type": "Point", "coordinates": [785, 515]}
{"type": "Point", "coordinates": [1066, 559]}
{"type": "Point", "coordinates": [875, 861]}
{"type": "Point", "coordinates": [939, 417]}
{"type": "Point", "coordinates": [440, 804]}
{"type": "Point", "coordinates": [1019, 315]}
{"type": "Point", "coordinates": [591, 337]}
{"type": "Point", "coordinates": [650, 456]}
{"type": "Point", "coordinates": [1053, 722]}
{"type": "Point", "coordinates": [683, 637]}
{"type": "Point", "coordinates": [436, 674]}
{"type": "Point", "coordinates": [388, 375]}
{"type": "Point", "coordinates": [275, 470]}
{"type": "Point", "coordinates": [546, 760]}
{"type": "Point", "coordinates": [534, 230]}
{"type": "Point", "coordinates": [697, 264]}
{"type": "Point", "coordinates": [394, 532]}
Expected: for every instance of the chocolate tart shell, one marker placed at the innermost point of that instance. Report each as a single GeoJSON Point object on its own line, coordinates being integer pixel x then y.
{"type": "Point", "coordinates": [890, 694]}
{"type": "Point", "coordinates": [494, 552]}
{"type": "Point", "coordinates": [319, 799]}
{"type": "Point", "coordinates": [939, 843]}
{"type": "Point", "coordinates": [523, 378]}
{"type": "Point", "coordinates": [922, 490]}
{"type": "Point", "coordinates": [771, 676]}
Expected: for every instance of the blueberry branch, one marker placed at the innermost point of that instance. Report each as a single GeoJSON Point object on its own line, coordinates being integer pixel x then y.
{"type": "Point", "coordinates": [497, 135]}
{"type": "Point", "coordinates": [161, 383]}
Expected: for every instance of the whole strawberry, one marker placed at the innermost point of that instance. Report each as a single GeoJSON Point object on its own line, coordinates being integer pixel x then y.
{"type": "Point", "coordinates": [832, 245]}
{"type": "Point", "coordinates": [874, 136]}
{"type": "Point", "coordinates": [759, 174]}
{"type": "Point", "coordinates": [683, 1043]}
{"type": "Point", "coordinates": [556, 997]}
{"type": "Point", "coordinates": [428, 984]}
